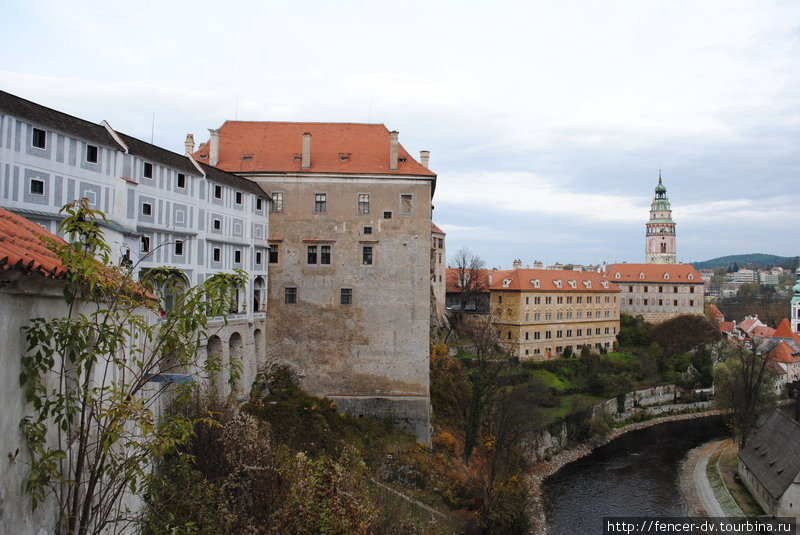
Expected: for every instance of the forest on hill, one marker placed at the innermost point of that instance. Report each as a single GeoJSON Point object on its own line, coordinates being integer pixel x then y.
{"type": "Point", "coordinates": [748, 260]}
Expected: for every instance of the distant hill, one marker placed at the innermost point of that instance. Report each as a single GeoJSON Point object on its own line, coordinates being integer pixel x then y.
{"type": "Point", "coordinates": [743, 260]}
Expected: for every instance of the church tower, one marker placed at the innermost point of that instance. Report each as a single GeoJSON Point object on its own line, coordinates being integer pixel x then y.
{"type": "Point", "coordinates": [796, 304]}
{"type": "Point", "coordinates": [660, 233]}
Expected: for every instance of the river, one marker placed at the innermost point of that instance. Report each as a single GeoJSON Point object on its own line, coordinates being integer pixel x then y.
{"type": "Point", "coordinates": [634, 475]}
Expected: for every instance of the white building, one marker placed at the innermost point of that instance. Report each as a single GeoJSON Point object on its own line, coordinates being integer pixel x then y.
{"type": "Point", "coordinates": [163, 208]}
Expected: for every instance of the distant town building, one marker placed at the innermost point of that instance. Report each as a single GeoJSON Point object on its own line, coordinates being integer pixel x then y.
{"type": "Point", "coordinates": [745, 275]}
{"type": "Point", "coordinates": [660, 229]}
{"type": "Point", "coordinates": [473, 302]}
{"type": "Point", "coordinates": [795, 322]}
{"type": "Point", "coordinates": [657, 292]}
{"type": "Point", "coordinates": [543, 313]}
{"type": "Point", "coordinates": [350, 259]}
{"type": "Point", "coordinates": [769, 465]}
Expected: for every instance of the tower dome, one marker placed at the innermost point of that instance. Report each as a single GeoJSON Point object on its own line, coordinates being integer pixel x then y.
{"type": "Point", "coordinates": [660, 229]}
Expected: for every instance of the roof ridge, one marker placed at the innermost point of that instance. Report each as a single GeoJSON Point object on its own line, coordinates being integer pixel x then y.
{"type": "Point", "coordinates": [303, 122]}
{"type": "Point", "coordinates": [50, 109]}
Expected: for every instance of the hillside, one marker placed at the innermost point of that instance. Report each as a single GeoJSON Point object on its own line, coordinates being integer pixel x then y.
{"type": "Point", "coordinates": [742, 260]}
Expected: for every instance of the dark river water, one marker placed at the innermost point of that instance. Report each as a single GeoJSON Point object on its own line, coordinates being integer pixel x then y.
{"type": "Point", "coordinates": [634, 475]}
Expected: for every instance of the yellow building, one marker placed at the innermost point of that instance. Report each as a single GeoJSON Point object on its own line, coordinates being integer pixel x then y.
{"type": "Point", "coordinates": [541, 313]}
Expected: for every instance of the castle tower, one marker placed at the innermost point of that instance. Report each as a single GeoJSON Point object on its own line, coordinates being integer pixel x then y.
{"type": "Point", "coordinates": [660, 233]}
{"type": "Point", "coordinates": [795, 321]}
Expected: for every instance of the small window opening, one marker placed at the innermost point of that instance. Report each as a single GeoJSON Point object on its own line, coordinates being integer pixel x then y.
{"type": "Point", "coordinates": [148, 170]}
{"type": "Point", "coordinates": [91, 154]}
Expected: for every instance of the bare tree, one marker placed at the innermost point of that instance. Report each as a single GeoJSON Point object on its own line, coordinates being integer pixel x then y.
{"type": "Point", "coordinates": [471, 283]}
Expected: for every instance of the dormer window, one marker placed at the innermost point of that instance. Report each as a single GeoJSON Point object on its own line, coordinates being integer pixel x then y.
{"type": "Point", "coordinates": [604, 284]}
{"type": "Point", "coordinates": [572, 283]}
{"type": "Point", "coordinates": [691, 276]}
{"type": "Point", "coordinates": [344, 156]}
{"type": "Point", "coordinates": [298, 157]}
{"type": "Point", "coordinates": [641, 274]}
{"type": "Point", "coordinates": [557, 282]}
{"type": "Point", "coordinates": [666, 276]}
{"type": "Point", "coordinates": [506, 283]}
{"type": "Point", "coordinates": [536, 283]}
{"type": "Point", "coordinates": [246, 158]}
{"type": "Point", "coordinates": [617, 275]}
{"type": "Point", "coordinates": [588, 284]}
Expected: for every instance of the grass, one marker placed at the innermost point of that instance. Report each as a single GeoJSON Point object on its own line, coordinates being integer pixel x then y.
{"type": "Point", "coordinates": [729, 506]}
{"type": "Point", "coordinates": [728, 465]}
{"type": "Point", "coordinates": [553, 381]}
{"type": "Point", "coordinates": [568, 405]}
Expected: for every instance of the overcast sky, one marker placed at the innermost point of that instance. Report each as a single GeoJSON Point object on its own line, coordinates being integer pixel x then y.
{"type": "Point", "coordinates": [547, 121]}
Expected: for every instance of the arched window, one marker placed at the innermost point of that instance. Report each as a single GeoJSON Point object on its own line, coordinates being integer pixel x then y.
{"type": "Point", "coordinates": [259, 294]}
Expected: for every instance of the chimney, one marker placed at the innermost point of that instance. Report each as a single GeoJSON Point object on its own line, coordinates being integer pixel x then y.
{"type": "Point", "coordinates": [189, 144]}
{"type": "Point", "coordinates": [393, 150]}
{"type": "Point", "coordinates": [213, 152]}
{"type": "Point", "coordinates": [306, 159]}
{"type": "Point", "coordinates": [517, 264]}
{"type": "Point", "coordinates": [424, 158]}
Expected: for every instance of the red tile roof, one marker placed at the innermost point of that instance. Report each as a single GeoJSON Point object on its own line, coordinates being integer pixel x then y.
{"type": "Point", "coordinates": [451, 278]}
{"type": "Point", "coordinates": [435, 229]}
{"type": "Point", "coordinates": [784, 330]}
{"type": "Point", "coordinates": [523, 279]}
{"type": "Point", "coordinates": [277, 146]}
{"type": "Point", "coordinates": [762, 331]}
{"type": "Point", "coordinates": [783, 352]}
{"type": "Point", "coordinates": [677, 273]}
{"type": "Point", "coordinates": [22, 248]}
{"type": "Point", "coordinates": [726, 326]}
{"type": "Point", "coordinates": [715, 312]}
{"type": "Point", "coordinates": [748, 324]}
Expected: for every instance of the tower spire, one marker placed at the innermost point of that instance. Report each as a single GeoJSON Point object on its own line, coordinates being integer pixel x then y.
{"type": "Point", "coordinates": [660, 229]}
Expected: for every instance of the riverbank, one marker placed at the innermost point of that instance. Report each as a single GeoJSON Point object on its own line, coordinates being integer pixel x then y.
{"type": "Point", "coordinates": [542, 470]}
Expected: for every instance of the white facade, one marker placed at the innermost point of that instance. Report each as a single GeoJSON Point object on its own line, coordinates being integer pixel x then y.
{"type": "Point", "coordinates": [163, 208]}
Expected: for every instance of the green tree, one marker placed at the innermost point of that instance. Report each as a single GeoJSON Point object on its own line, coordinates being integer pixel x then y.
{"type": "Point", "coordinates": [92, 431]}
{"type": "Point", "coordinates": [744, 386]}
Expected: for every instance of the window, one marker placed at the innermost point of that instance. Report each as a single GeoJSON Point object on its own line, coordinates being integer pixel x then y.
{"type": "Point", "coordinates": [37, 186]}
{"type": "Point", "coordinates": [363, 203]}
{"type": "Point", "coordinates": [569, 315]}
{"type": "Point", "coordinates": [645, 301]}
{"type": "Point", "coordinates": [180, 217]}
{"type": "Point", "coordinates": [674, 289]}
{"type": "Point", "coordinates": [661, 289]}
{"type": "Point", "coordinates": [579, 314]}
{"type": "Point", "coordinates": [346, 296]}
{"type": "Point", "coordinates": [588, 314]}
{"type": "Point", "coordinates": [630, 289]}
{"type": "Point", "coordinates": [387, 215]}
{"type": "Point", "coordinates": [660, 302]}
{"type": "Point", "coordinates": [237, 256]}
{"type": "Point", "coordinates": [178, 247]}
{"type": "Point", "coordinates": [320, 203]}
{"type": "Point", "coordinates": [147, 172]}
{"type": "Point", "coordinates": [691, 302]}
{"type": "Point", "coordinates": [259, 203]}
{"type": "Point", "coordinates": [674, 302]}
{"type": "Point", "coordinates": [91, 153]}
{"type": "Point", "coordinates": [527, 335]}
{"type": "Point", "coordinates": [579, 332]}
{"type": "Point", "coordinates": [238, 197]}
{"type": "Point", "coordinates": [290, 295]}
{"type": "Point", "coordinates": [277, 201]}
{"type": "Point", "coordinates": [560, 316]}
{"type": "Point", "coordinates": [569, 333]}
{"type": "Point", "coordinates": [500, 299]}
{"type": "Point", "coordinates": [325, 254]}
{"type": "Point", "coordinates": [691, 289]}
{"type": "Point", "coordinates": [259, 257]}
{"type": "Point", "coordinates": [537, 335]}
{"type": "Point", "coordinates": [144, 244]}
{"type": "Point", "coordinates": [180, 182]}
{"type": "Point", "coordinates": [548, 334]}
{"type": "Point", "coordinates": [548, 316]}
{"type": "Point", "coordinates": [608, 300]}
{"type": "Point", "coordinates": [406, 204]}
{"type": "Point", "coordinates": [607, 313]}
{"type": "Point", "coordinates": [147, 208]}
{"type": "Point", "coordinates": [217, 254]}
{"type": "Point", "coordinates": [548, 300]}
{"type": "Point", "coordinates": [607, 331]}
{"type": "Point", "coordinates": [597, 299]}
{"type": "Point", "coordinates": [569, 299]}
{"type": "Point", "coordinates": [560, 300]}
{"type": "Point", "coordinates": [597, 331]}
{"type": "Point", "coordinates": [217, 224]}
{"type": "Point", "coordinates": [39, 138]}
{"type": "Point", "coordinates": [537, 300]}
{"type": "Point", "coordinates": [579, 299]}
{"type": "Point", "coordinates": [537, 316]}
{"type": "Point", "coordinates": [311, 256]}
{"type": "Point", "coordinates": [367, 230]}
{"type": "Point", "coordinates": [273, 254]}
{"type": "Point", "coordinates": [217, 192]}
{"type": "Point", "coordinates": [509, 335]}
{"type": "Point", "coordinates": [366, 255]}
{"type": "Point", "coordinates": [644, 289]}
{"type": "Point", "coordinates": [527, 300]}
{"type": "Point", "coordinates": [559, 334]}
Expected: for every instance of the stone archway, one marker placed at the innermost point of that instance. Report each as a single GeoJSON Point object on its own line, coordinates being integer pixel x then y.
{"type": "Point", "coordinates": [214, 353]}
{"type": "Point", "coordinates": [236, 363]}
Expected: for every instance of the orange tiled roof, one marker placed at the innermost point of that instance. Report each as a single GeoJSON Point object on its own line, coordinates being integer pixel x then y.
{"type": "Point", "coordinates": [783, 352]}
{"type": "Point", "coordinates": [762, 331]}
{"type": "Point", "coordinates": [726, 326]}
{"type": "Point", "coordinates": [784, 330]}
{"type": "Point", "coordinates": [272, 146]}
{"type": "Point", "coordinates": [22, 249]}
{"type": "Point", "coordinates": [776, 368]}
{"type": "Point", "coordinates": [716, 312]}
{"type": "Point", "coordinates": [435, 229]}
{"type": "Point", "coordinates": [748, 324]}
{"type": "Point", "coordinates": [523, 279]}
{"type": "Point", "coordinates": [678, 273]}
{"type": "Point", "coordinates": [451, 278]}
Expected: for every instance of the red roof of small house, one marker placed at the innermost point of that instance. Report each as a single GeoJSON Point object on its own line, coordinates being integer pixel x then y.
{"type": "Point", "coordinates": [653, 273]}
{"type": "Point", "coordinates": [784, 330]}
{"type": "Point", "coordinates": [436, 230]}
{"type": "Point", "coordinates": [272, 146]}
{"type": "Point", "coordinates": [762, 331]}
{"type": "Point", "coordinates": [776, 368]}
{"type": "Point", "coordinates": [22, 247]}
{"type": "Point", "coordinates": [748, 324]}
{"type": "Point", "coordinates": [553, 280]}
{"type": "Point", "coordinates": [715, 312]}
{"type": "Point", "coordinates": [726, 326]}
{"type": "Point", "coordinates": [783, 352]}
{"type": "Point", "coordinates": [486, 277]}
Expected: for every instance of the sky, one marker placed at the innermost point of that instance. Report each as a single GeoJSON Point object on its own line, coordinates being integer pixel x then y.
{"type": "Point", "coordinates": [547, 121]}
